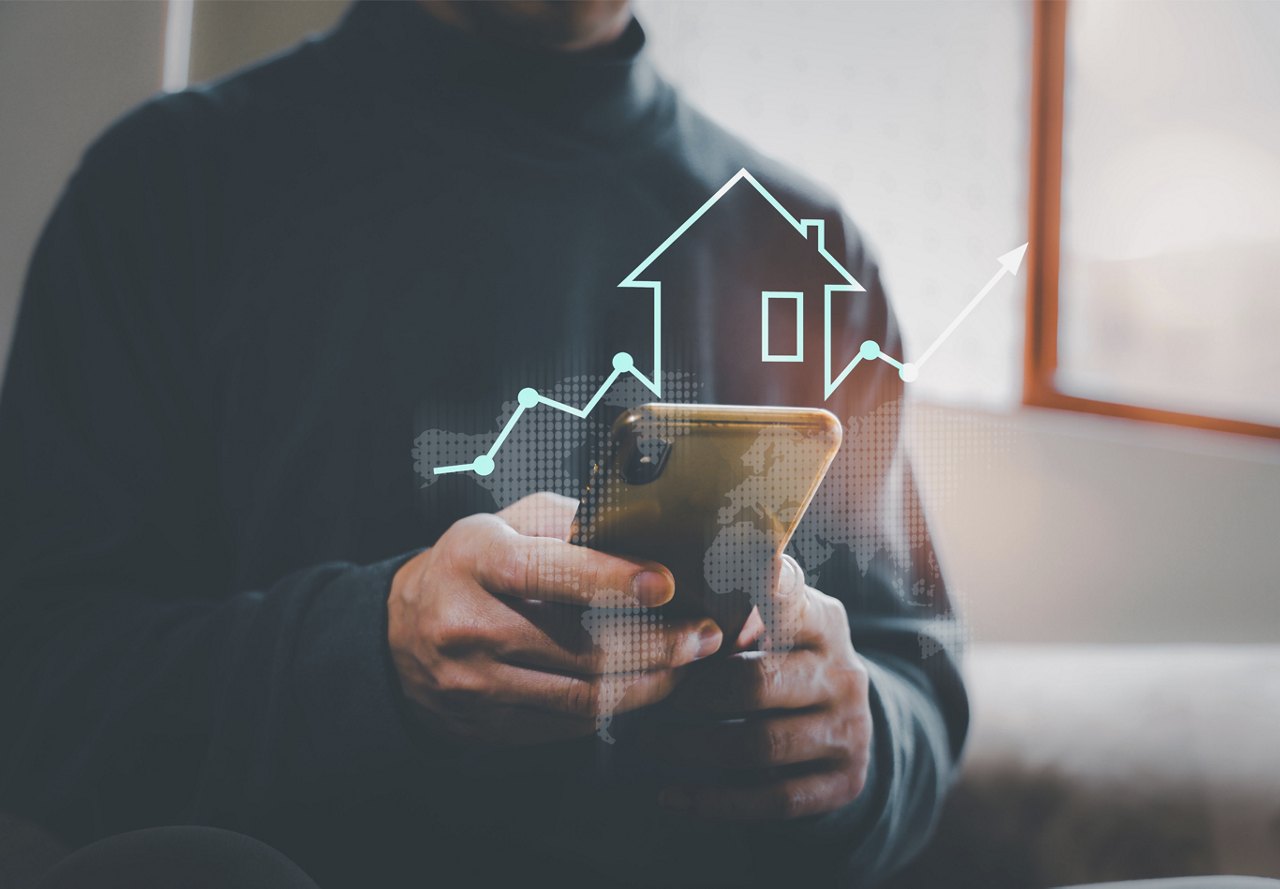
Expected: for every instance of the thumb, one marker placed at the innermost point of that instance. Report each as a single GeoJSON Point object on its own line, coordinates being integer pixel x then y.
{"type": "Point", "coordinates": [541, 515]}
{"type": "Point", "coordinates": [783, 611]}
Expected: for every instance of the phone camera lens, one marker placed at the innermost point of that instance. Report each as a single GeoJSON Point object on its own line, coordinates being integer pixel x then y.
{"type": "Point", "coordinates": [646, 461]}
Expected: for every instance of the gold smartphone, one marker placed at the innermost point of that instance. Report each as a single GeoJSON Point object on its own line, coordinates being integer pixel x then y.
{"type": "Point", "coordinates": [714, 492]}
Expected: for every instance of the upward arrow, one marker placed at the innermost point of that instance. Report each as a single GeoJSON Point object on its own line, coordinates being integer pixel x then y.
{"type": "Point", "coordinates": [1009, 264]}
{"type": "Point", "coordinates": [1012, 261]}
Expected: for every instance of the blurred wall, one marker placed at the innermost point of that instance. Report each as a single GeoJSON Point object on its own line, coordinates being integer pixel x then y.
{"type": "Point", "coordinates": [1051, 526]}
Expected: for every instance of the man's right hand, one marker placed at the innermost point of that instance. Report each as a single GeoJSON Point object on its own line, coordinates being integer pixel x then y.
{"type": "Point", "coordinates": [486, 632]}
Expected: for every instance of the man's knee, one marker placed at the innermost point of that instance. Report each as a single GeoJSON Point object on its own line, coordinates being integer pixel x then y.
{"type": "Point", "coordinates": [195, 857]}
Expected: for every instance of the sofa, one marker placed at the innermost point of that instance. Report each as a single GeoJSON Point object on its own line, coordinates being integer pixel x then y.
{"type": "Point", "coordinates": [1095, 763]}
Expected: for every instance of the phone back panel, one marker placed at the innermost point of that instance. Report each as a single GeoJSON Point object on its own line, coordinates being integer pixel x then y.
{"type": "Point", "coordinates": [713, 492]}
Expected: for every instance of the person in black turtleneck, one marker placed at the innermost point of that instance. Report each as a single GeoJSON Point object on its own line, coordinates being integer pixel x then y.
{"type": "Point", "coordinates": [228, 600]}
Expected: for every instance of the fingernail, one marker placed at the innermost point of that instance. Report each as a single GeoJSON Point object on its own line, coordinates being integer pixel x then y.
{"type": "Point", "coordinates": [675, 798]}
{"type": "Point", "coordinates": [651, 588]}
{"type": "Point", "coordinates": [709, 640]}
{"type": "Point", "coordinates": [791, 578]}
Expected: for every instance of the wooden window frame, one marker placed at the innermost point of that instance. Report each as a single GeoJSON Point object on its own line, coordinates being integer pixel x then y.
{"type": "Point", "coordinates": [1039, 389]}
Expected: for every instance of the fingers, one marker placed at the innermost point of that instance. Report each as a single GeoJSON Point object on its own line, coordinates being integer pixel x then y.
{"type": "Point", "coordinates": [799, 742]}
{"type": "Point", "coordinates": [751, 633]}
{"type": "Point", "coordinates": [509, 563]}
{"type": "Point", "coordinates": [776, 800]}
{"type": "Point", "coordinates": [576, 697]}
{"type": "Point", "coordinates": [787, 739]}
{"type": "Point", "coordinates": [754, 681]}
{"type": "Point", "coordinates": [604, 641]}
{"type": "Point", "coordinates": [541, 515]}
{"type": "Point", "coordinates": [785, 612]}
{"type": "Point", "coordinates": [796, 616]}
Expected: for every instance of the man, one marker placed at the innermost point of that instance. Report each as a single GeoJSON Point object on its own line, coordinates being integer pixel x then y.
{"type": "Point", "coordinates": [227, 599]}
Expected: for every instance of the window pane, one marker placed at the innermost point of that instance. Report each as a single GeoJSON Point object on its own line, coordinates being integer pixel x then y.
{"type": "Point", "coordinates": [1171, 207]}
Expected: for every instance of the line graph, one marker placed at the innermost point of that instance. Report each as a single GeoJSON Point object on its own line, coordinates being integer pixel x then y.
{"type": "Point", "coordinates": [623, 363]}
{"type": "Point", "coordinates": [812, 230]}
{"type": "Point", "coordinates": [909, 371]}
{"type": "Point", "coordinates": [530, 398]}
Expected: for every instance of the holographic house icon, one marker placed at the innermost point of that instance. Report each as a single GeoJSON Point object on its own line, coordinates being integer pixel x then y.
{"type": "Point", "coordinates": [812, 230]}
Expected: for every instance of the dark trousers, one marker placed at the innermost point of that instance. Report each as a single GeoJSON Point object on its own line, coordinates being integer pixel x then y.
{"type": "Point", "coordinates": [209, 858]}
{"type": "Point", "coordinates": [173, 857]}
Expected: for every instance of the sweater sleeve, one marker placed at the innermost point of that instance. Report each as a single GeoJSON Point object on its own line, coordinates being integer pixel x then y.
{"type": "Point", "coordinates": [137, 687]}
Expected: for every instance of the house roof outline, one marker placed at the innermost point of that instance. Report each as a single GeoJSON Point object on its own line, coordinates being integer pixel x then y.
{"type": "Point", "coordinates": [623, 363]}
{"type": "Point", "coordinates": [805, 227]}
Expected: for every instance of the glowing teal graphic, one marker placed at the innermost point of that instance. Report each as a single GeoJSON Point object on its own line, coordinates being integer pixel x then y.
{"type": "Point", "coordinates": [528, 398]}
{"type": "Point", "coordinates": [765, 354]}
{"type": "Point", "coordinates": [813, 230]}
{"type": "Point", "coordinates": [909, 371]}
{"type": "Point", "coordinates": [804, 227]}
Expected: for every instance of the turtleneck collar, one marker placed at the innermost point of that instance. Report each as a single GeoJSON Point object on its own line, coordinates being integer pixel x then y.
{"type": "Point", "coordinates": [600, 95]}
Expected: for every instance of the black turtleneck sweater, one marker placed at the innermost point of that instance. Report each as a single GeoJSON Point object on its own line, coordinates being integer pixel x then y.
{"type": "Point", "coordinates": [251, 301]}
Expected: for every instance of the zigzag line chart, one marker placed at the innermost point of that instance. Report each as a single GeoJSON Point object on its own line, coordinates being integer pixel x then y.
{"type": "Point", "coordinates": [623, 363]}
{"type": "Point", "coordinates": [529, 398]}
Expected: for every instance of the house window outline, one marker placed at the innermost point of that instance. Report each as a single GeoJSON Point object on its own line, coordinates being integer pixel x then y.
{"type": "Point", "coordinates": [767, 356]}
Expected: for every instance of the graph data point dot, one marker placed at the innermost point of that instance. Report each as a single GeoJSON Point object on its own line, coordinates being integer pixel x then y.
{"type": "Point", "coordinates": [909, 372]}
{"type": "Point", "coordinates": [527, 397]}
{"type": "Point", "coordinates": [623, 361]}
{"type": "Point", "coordinates": [483, 464]}
{"type": "Point", "coordinates": [869, 350]}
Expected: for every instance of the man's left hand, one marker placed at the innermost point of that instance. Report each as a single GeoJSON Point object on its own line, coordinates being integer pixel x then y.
{"type": "Point", "coordinates": [790, 723]}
